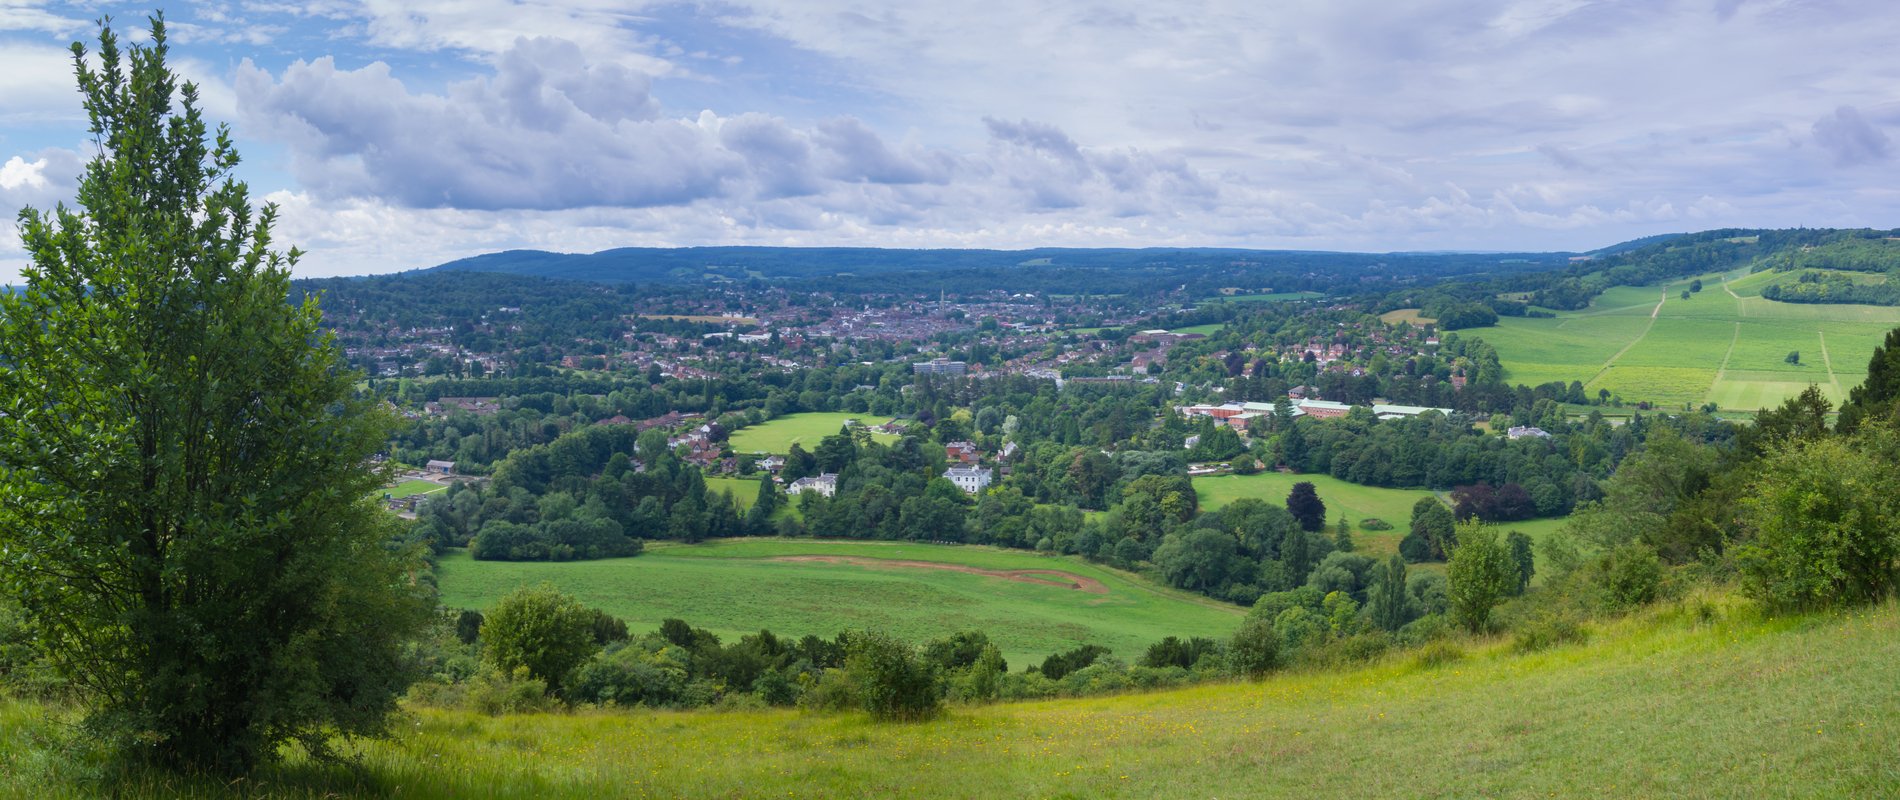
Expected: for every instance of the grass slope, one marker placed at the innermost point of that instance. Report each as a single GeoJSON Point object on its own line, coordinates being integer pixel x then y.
{"type": "Point", "coordinates": [1725, 344]}
{"type": "Point", "coordinates": [735, 587]}
{"type": "Point", "coordinates": [1678, 704]}
{"type": "Point", "coordinates": [806, 430]}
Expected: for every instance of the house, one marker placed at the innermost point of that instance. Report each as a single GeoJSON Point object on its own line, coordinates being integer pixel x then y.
{"type": "Point", "coordinates": [772, 463]}
{"type": "Point", "coordinates": [971, 480]}
{"type": "Point", "coordinates": [1191, 442]}
{"type": "Point", "coordinates": [826, 484]}
{"type": "Point", "coordinates": [1527, 431]}
{"type": "Point", "coordinates": [960, 452]}
{"type": "Point", "coordinates": [1009, 451]}
{"type": "Point", "coordinates": [440, 468]}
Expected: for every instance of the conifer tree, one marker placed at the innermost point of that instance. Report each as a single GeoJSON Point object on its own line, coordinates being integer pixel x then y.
{"type": "Point", "coordinates": [185, 480]}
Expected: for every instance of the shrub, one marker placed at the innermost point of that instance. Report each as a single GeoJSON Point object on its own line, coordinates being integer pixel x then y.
{"type": "Point", "coordinates": [1823, 517]}
{"type": "Point", "coordinates": [1437, 654]}
{"type": "Point", "coordinates": [645, 673]}
{"type": "Point", "coordinates": [892, 682]}
{"type": "Point", "coordinates": [1374, 524]}
{"type": "Point", "coordinates": [540, 629]}
{"type": "Point", "coordinates": [1255, 648]}
{"type": "Point", "coordinates": [1629, 576]}
{"type": "Point", "coordinates": [1545, 630]}
{"type": "Point", "coordinates": [1424, 630]}
{"type": "Point", "coordinates": [518, 692]}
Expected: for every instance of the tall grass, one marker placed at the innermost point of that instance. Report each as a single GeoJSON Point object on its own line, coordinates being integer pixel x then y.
{"type": "Point", "coordinates": [1701, 697]}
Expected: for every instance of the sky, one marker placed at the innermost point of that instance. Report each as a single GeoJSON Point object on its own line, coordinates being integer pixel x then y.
{"type": "Point", "coordinates": [397, 135]}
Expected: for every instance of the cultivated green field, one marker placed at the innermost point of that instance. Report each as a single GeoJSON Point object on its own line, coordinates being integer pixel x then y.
{"type": "Point", "coordinates": [1725, 344]}
{"type": "Point", "coordinates": [1679, 702]}
{"type": "Point", "coordinates": [408, 488]}
{"type": "Point", "coordinates": [805, 430]}
{"type": "Point", "coordinates": [738, 586]}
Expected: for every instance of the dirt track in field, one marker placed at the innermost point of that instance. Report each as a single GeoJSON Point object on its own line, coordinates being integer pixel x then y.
{"type": "Point", "coordinates": [1045, 577]}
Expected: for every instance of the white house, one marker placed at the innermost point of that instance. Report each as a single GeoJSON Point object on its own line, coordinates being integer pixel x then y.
{"type": "Point", "coordinates": [826, 484]}
{"type": "Point", "coordinates": [970, 479]}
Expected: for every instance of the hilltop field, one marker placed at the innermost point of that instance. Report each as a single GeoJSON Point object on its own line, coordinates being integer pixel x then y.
{"type": "Point", "coordinates": [1030, 605]}
{"type": "Point", "coordinates": [1725, 344]}
{"type": "Point", "coordinates": [1700, 698]}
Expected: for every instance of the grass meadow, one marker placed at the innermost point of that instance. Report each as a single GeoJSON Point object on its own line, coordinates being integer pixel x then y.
{"type": "Point", "coordinates": [410, 488]}
{"type": "Point", "coordinates": [1355, 501]}
{"type": "Point", "coordinates": [1725, 344]}
{"type": "Point", "coordinates": [806, 430]}
{"type": "Point", "coordinates": [1696, 698]}
{"type": "Point", "coordinates": [738, 586]}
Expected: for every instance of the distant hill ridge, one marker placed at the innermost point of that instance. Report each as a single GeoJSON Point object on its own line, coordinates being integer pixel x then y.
{"type": "Point", "coordinates": [652, 264]}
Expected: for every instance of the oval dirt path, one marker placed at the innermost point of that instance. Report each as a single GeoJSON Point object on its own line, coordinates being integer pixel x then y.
{"type": "Point", "coordinates": [1045, 577]}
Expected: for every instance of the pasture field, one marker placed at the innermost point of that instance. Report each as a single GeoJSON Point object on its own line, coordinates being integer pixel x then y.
{"type": "Point", "coordinates": [1699, 698]}
{"type": "Point", "coordinates": [745, 491]}
{"type": "Point", "coordinates": [806, 430]}
{"type": "Point", "coordinates": [1725, 344]}
{"type": "Point", "coordinates": [1415, 316]}
{"type": "Point", "coordinates": [1355, 501]}
{"type": "Point", "coordinates": [1205, 330]}
{"type": "Point", "coordinates": [414, 487]}
{"type": "Point", "coordinates": [1031, 605]}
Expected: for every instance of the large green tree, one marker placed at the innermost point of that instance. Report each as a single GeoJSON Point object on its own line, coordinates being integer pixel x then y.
{"type": "Point", "coordinates": [1479, 575]}
{"type": "Point", "coordinates": [184, 463]}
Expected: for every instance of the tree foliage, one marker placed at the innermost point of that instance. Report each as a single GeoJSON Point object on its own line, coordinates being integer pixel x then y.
{"type": "Point", "coordinates": [184, 502]}
{"type": "Point", "coordinates": [541, 629]}
{"type": "Point", "coordinates": [1304, 504]}
{"type": "Point", "coordinates": [1480, 574]}
{"type": "Point", "coordinates": [1823, 516]}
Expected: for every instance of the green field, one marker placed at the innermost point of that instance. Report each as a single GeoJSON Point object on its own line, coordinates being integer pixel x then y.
{"type": "Point", "coordinates": [1275, 297]}
{"type": "Point", "coordinates": [1355, 501]}
{"type": "Point", "coordinates": [1725, 344]}
{"type": "Point", "coordinates": [1675, 703]}
{"type": "Point", "coordinates": [805, 430]}
{"type": "Point", "coordinates": [1205, 330]}
{"type": "Point", "coordinates": [738, 586]}
{"type": "Point", "coordinates": [409, 488]}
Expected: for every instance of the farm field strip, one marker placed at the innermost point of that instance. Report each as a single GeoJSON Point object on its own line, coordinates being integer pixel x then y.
{"type": "Point", "coordinates": [1676, 355]}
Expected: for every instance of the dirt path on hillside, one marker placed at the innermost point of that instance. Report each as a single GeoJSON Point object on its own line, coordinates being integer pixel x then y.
{"type": "Point", "coordinates": [1639, 337]}
{"type": "Point", "coordinates": [1045, 577]}
{"type": "Point", "coordinates": [1829, 363]}
{"type": "Point", "coordinates": [1710, 397]}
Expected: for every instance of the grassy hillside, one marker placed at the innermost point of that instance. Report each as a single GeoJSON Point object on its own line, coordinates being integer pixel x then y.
{"type": "Point", "coordinates": [738, 586]}
{"type": "Point", "coordinates": [1696, 700]}
{"type": "Point", "coordinates": [1725, 344]}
